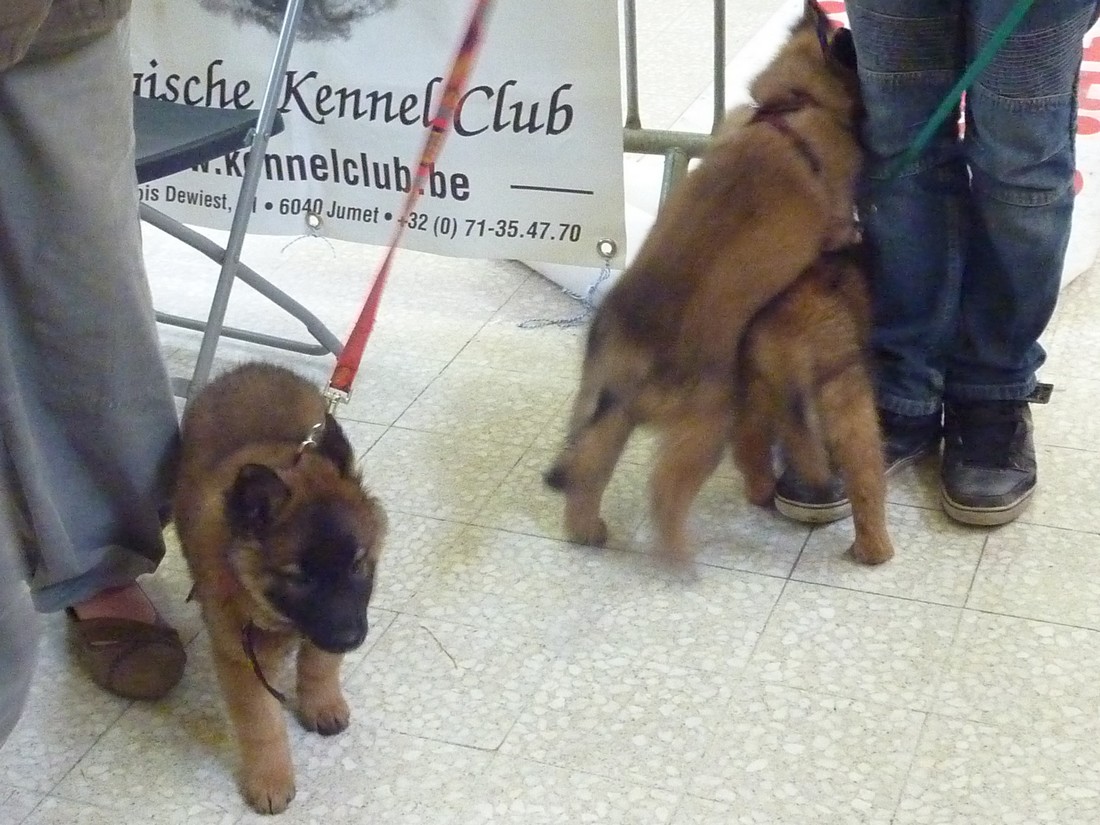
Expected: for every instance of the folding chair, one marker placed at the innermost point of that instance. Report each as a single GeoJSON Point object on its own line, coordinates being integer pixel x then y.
{"type": "Point", "coordinates": [172, 137]}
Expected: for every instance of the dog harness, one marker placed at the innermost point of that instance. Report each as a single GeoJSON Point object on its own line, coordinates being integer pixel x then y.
{"type": "Point", "coordinates": [774, 113]}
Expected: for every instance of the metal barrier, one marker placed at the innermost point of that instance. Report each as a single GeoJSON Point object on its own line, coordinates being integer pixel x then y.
{"type": "Point", "coordinates": [678, 148]}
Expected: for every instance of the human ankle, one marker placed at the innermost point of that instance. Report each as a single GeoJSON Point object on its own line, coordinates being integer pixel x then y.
{"type": "Point", "coordinates": [126, 602]}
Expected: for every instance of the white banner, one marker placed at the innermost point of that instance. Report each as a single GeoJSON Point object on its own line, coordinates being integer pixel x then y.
{"type": "Point", "coordinates": [532, 170]}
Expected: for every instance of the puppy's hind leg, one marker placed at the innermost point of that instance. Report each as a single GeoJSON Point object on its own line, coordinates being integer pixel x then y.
{"type": "Point", "coordinates": [852, 429]}
{"type": "Point", "coordinates": [689, 453]}
{"type": "Point", "coordinates": [752, 438]}
{"type": "Point", "coordinates": [321, 704]}
{"type": "Point", "coordinates": [583, 470]}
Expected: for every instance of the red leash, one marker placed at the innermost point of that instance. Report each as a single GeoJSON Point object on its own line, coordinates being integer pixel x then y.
{"type": "Point", "coordinates": [347, 364]}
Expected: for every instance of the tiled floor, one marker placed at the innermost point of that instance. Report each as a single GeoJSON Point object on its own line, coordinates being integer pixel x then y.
{"type": "Point", "coordinates": [510, 677]}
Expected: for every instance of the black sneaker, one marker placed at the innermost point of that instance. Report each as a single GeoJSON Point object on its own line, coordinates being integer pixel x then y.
{"type": "Point", "coordinates": [989, 471]}
{"type": "Point", "coordinates": [906, 438]}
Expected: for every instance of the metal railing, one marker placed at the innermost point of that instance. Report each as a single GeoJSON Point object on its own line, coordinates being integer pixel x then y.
{"type": "Point", "coordinates": [678, 148]}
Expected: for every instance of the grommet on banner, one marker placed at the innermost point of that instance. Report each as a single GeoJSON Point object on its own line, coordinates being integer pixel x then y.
{"type": "Point", "coordinates": [606, 248]}
{"type": "Point", "coordinates": [314, 222]}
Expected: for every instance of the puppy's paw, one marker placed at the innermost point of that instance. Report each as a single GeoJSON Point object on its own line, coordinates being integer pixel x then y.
{"type": "Point", "coordinates": [872, 552]}
{"type": "Point", "coordinates": [327, 715]}
{"type": "Point", "coordinates": [760, 491]}
{"type": "Point", "coordinates": [592, 532]}
{"type": "Point", "coordinates": [268, 785]}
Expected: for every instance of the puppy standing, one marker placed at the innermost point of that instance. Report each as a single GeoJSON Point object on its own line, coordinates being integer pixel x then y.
{"type": "Point", "coordinates": [282, 543]}
{"type": "Point", "coordinates": [803, 380]}
{"type": "Point", "coordinates": [770, 195]}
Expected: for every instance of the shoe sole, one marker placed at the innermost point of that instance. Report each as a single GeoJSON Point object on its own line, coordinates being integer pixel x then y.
{"type": "Point", "coordinates": [813, 513]}
{"type": "Point", "coordinates": [836, 510]}
{"type": "Point", "coordinates": [984, 516]}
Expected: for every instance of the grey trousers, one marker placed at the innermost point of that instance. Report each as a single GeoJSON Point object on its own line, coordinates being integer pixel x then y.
{"type": "Point", "coordinates": [87, 418]}
{"type": "Point", "coordinates": [18, 626]}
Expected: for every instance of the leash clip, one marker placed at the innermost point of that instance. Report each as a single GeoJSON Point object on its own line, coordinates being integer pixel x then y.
{"type": "Point", "coordinates": [313, 438]}
{"type": "Point", "coordinates": [334, 398]}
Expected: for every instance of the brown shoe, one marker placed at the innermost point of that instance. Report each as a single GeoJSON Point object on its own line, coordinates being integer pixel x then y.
{"type": "Point", "coordinates": [131, 659]}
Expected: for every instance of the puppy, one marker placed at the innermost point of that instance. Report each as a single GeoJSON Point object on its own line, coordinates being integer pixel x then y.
{"type": "Point", "coordinates": [282, 542]}
{"type": "Point", "coordinates": [772, 193]}
{"type": "Point", "coordinates": [803, 381]}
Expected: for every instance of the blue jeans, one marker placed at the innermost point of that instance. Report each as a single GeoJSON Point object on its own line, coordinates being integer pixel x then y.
{"type": "Point", "coordinates": [968, 241]}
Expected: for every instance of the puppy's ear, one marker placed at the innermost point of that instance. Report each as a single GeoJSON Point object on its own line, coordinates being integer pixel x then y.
{"type": "Point", "coordinates": [335, 447]}
{"type": "Point", "coordinates": [254, 499]}
{"type": "Point", "coordinates": [842, 49]}
{"type": "Point", "coordinates": [812, 15]}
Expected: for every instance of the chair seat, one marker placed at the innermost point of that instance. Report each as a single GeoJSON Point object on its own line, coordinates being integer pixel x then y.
{"type": "Point", "coordinates": [172, 137]}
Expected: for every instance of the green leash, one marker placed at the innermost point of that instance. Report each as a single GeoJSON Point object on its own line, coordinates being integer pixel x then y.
{"type": "Point", "coordinates": [951, 100]}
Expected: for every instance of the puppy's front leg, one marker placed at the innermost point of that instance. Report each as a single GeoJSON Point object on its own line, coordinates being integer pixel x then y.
{"type": "Point", "coordinates": [321, 704]}
{"type": "Point", "coordinates": [267, 774]}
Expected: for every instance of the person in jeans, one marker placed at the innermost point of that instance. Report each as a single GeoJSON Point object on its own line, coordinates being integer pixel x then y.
{"type": "Point", "coordinates": [87, 418]}
{"type": "Point", "coordinates": [967, 241]}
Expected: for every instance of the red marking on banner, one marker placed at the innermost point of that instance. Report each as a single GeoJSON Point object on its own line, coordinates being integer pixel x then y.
{"type": "Point", "coordinates": [1092, 50]}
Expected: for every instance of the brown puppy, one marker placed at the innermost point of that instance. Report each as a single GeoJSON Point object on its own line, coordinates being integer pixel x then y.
{"type": "Point", "coordinates": [772, 193]}
{"type": "Point", "coordinates": [282, 543]}
{"type": "Point", "coordinates": [804, 381]}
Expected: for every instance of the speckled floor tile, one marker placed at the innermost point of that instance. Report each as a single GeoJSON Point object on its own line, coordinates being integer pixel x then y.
{"type": "Point", "coordinates": [1036, 676]}
{"type": "Point", "coordinates": [972, 774]}
{"type": "Point", "coordinates": [540, 298]}
{"type": "Point", "coordinates": [1068, 420]}
{"type": "Point", "coordinates": [400, 331]}
{"type": "Point", "coordinates": [362, 436]}
{"type": "Point", "coordinates": [437, 475]}
{"type": "Point", "coordinates": [917, 485]}
{"type": "Point", "coordinates": [786, 756]}
{"type": "Point", "coordinates": [521, 791]}
{"type": "Point", "coordinates": [415, 547]}
{"type": "Point", "coordinates": [508, 583]}
{"type": "Point", "coordinates": [934, 558]}
{"type": "Point", "coordinates": [549, 352]}
{"type": "Point", "coordinates": [449, 682]}
{"type": "Point", "coordinates": [16, 803]}
{"type": "Point", "coordinates": [845, 643]}
{"type": "Point", "coordinates": [453, 286]}
{"type": "Point", "coordinates": [694, 810]}
{"type": "Point", "coordinates": [524, 504]}
{"type": "Point", "coordinates": [501, 405]}
{"type": "Point", "coordinates": [1040, 573]}
{"type": "Point", "coordinates": [64, 716]}
{"type": "Point", "coordinates": [726, 531]}
{"type": "Point", "coordinates": [711, 621]}
{"type": "Point", "coordinates": [372, 775]}
{"type": "Point", "coordinates": [1068, 502]}
{"type": "Point", "coordinates": [386, 384]}
{"type": "Point", "coordinates": [1074, 353]}
{"type": "Point", "coordinates": [60, 811]}
{"type": "Point", "coordinates": [604, 712]}
{"type": "Point", "coordinates": [176, 757]}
